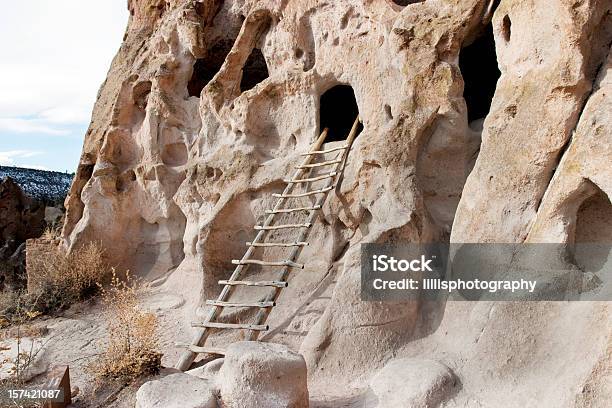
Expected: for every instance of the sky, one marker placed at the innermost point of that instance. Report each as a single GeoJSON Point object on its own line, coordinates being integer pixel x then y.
{"type": "Point", "coordinates": [54, 57]}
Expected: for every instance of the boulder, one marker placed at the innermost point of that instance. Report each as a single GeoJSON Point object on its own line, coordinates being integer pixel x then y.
{"type": "Point", "coordinates": [414, 383]}
{"type": "Point", "coordinates": [176, 391]}
{"type": "Point", "coordinates": [266, 375]}
{"type": "Point", "coordinates": [21, 217]}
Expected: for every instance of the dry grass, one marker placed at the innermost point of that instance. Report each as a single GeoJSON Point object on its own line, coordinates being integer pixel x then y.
{"type": "Point", "coordinates": [132, 349]}
{"type": "Point", "coordinates": [63, 279]}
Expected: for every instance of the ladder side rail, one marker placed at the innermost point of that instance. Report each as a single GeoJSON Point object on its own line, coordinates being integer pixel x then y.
{"type": "Point", "coordinates": [188, 356]}
{"type": "Point", "coordinates": [262, 314]}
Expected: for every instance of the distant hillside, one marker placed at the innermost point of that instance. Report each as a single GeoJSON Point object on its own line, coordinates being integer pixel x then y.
{"type": "Point", "coordinates": [49, 186]}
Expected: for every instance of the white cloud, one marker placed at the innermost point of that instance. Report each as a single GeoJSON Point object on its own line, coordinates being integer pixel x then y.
{"type": "Point", "coordinates": [18, 125]}
{"type": "Point", "coordinates": [66, 115]}
{"type": "Point", "coordinates": [53, 64]}
{"type": "Point", "coordinates": [8, 158]}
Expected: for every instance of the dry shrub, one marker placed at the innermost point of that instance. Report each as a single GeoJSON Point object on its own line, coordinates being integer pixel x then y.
{"type": "Point", "coordinates": [9, 307]}
{"type": "Point", "coordinates": [51, 233]}
{"type": "Point", "coordinates": [63, 279]}
{"type": "Point", "coordinates": [132, 349]}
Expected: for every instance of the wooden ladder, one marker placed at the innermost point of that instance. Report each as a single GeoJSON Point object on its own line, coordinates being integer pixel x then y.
{"type": "Point", "coordinates": [264, 307]}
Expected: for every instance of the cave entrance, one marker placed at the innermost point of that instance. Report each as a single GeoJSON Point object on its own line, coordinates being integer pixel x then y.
{"type": "Point", "coordinates": [204, 69]}
{"type": "Point", "coordinates": [255, 70]}
{"type": "Point", "coordinates": [338, 110]}
{"type": "Point", "coordinates": [480, 71]}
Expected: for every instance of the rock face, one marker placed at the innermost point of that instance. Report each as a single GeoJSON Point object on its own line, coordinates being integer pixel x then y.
{"type": "Point", "coordinates": [413, 383]}
{"type": "Point", "coordinates": [257, 374]}
{"type": "Point", "coordinates": [21, 218]}
{"type": "Point", "coordinates": [483, 121]}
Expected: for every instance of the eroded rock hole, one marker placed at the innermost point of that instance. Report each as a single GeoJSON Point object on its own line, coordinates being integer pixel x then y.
{"type": "Point", "coordinates": [507, 28]}
{"type": "Point", "coordinates": [124, 180]}
{"type": "Point", "coordinates": [388, 112]}
{"type": "Point", "coordinates": [206, 68]}
{"type": "Point", "coordinates": [255, 70]}
{"type": "Point", "coordinates": [406, 2]}
{"type": "Point", "coordinates": [140, 94]}
{"type": "Point", "coordinates": [593, 234]}
{"type": "Point", "coordinates": [338, 110]}
{"type": "Point", "coordinates": [594, 219]}
{"type": "Point", "coordinates": [174, 154]}
{"type": "Point", "coordinates": [85, 171]}
{"type": "Point", "coordinates": [480, 71]}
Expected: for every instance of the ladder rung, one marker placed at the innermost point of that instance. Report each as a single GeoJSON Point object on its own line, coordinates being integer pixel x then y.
{"type": "Point", "coordinates": [311, 179]}
{"type": "Point", "coordinates": [202, 350]}
{"type": "Point", "coordinates": [278, 227]}
{"type": "Point", "coordinates": [327, 163]}
{"type": "Point", "coordinates": [265, 263]}
{"type": "Point", "coordinates": [325, 151]}
{"type": "Point", "coordinates": [230, 304]}
{"type": "Point", "coordinates": [291, 210]}
{"type": "Point", "coordinates": [277, 244]}
{"type": "Point", "coordinates": [237, 326]}
{"type": "Point", "coordinates": [308, 193]}
{"type": "Point", "coordinates": [276, 284]}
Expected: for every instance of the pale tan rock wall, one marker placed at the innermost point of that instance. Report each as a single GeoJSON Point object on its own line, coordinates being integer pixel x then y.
{"type": "Point", "coordinates": [172, 180]}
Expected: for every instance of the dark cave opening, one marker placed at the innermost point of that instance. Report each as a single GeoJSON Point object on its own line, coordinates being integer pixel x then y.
{"type": "Point", "coordinates": [338, 110]}
{"type": "Point", "coordinates": [480, 71]}
{"type": "Point", "coordinates": [255, 70]}
{"type": "Point", "coordinates": [205, 69]}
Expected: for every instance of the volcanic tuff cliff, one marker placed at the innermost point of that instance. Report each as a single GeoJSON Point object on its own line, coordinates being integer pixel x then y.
{"type": "Point", "coordinates": [208, 105]}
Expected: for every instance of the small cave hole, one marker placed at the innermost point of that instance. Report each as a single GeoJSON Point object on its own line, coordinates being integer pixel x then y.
{"type": "Point", "coordinates": [85, 171]}
{"type": "Point", "coordinates": [140, 94]}
{"type": "Point", "coordinates": [255, 70]}
{"type": "Point", "coordinates": [123, 181]}
{"type": "Point", "coordinates": [206, 68]}
{"type": "Point", "coordinates": [507, 28]}
{"type": "Point", "coordinates": [478, 64]}
{"type": "Point", "coordinates": [388, 112]}
{"type": "Point", "coordinates": [338, 111]}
